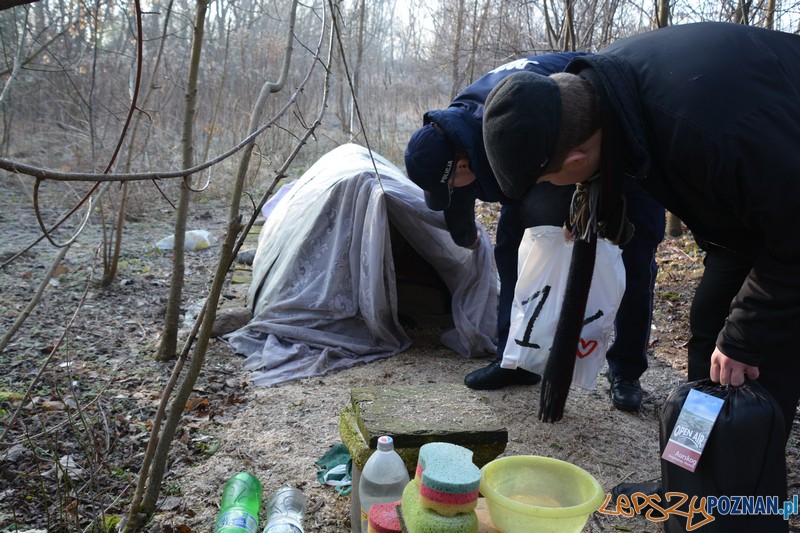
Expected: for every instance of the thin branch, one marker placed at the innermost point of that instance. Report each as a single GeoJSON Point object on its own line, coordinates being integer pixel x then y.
{"type": "Point", "coordinates": [47, 233]}
{"type": "Point", "coordinates": [67, 329]}
{"type": "Point", "coordinates": [17, 60]}
{"type": "Point", "coordinates": [56, 225]}
{"type": "Point", "coordinates": [23, 316]}
{"type": "Point", "coordinates": [134, 98]}
{"type": "Point", "coordinates": [35, 54]}
{"type": "Point", "coordinates": [46, 174]}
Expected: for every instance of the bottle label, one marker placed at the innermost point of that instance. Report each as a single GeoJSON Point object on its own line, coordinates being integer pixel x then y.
{"type": "Point", "coordinates": [242, 520]}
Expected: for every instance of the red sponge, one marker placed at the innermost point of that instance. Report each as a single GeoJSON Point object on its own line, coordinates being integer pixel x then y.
{"type": "Point", "coordinates": [383, 518]}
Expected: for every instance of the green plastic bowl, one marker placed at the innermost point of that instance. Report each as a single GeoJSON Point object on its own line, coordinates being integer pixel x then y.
{"type": "Point", "coordinates": [528, 493]}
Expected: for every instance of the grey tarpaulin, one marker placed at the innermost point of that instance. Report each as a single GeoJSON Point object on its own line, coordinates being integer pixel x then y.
{"type": "Point", "coordinates": [323, 291]}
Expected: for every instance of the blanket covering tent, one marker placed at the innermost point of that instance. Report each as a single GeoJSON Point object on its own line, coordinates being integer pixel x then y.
{"type": "Point", "coordinates": [323, 292]}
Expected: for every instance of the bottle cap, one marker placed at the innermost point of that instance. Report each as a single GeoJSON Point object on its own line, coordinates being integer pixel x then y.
{"type": "Point", "coordinates": [385, 443]}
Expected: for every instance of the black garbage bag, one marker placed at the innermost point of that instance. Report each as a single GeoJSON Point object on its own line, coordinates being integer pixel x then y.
{"type": "Point", "coordinates": [744, 456]}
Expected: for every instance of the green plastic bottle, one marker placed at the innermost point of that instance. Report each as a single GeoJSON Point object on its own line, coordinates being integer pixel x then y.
{"type": "Point", "coordinates": [238, 510]}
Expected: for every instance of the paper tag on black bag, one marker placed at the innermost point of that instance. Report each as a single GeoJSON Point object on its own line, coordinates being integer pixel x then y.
{"type": "Point", "coordinates": [691, 430]}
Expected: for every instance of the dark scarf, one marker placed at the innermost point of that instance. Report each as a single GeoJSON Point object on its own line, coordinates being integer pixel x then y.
{"type": "Point", "coordinates": [598, 209]}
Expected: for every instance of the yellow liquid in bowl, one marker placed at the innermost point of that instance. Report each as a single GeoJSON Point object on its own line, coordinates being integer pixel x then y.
{"type": "Point", "coordinates": [538, 501]}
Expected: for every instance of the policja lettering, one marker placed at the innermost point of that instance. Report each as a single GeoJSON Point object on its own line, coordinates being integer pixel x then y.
{"type": "Point", "coordinates": [447, 169]}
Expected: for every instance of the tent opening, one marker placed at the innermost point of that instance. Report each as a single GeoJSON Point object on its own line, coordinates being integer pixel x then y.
{"type": "Point", "coordinates": [422, 296]}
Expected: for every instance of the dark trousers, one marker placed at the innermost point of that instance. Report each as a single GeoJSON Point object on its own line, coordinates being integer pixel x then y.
{"type": "Point", "coordinates": [547, 204]}
{"type": "Point", "coordinates": [724, 273]}
{"type": "Point", "coordinates": [627, 356]}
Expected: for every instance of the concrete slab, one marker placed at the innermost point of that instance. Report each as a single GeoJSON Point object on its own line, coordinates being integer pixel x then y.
{"type": "Point", "coordinates": [416, 415]}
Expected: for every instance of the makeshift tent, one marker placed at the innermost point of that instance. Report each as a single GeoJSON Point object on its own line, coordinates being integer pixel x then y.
{"type": "Point", "coordinates": [324, 291]}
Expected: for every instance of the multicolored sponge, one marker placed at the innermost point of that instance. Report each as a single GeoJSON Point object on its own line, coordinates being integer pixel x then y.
{"type": "Point", "coordinates": [420, 519]}
{"type": "Point", "coordinates": [383, 518]}
{"type": "Point", "coordinates": [448, 479]}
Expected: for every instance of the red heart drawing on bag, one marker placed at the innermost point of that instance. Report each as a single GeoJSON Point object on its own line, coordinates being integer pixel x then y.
{"type": "Point", "coordinates": [586, 348]}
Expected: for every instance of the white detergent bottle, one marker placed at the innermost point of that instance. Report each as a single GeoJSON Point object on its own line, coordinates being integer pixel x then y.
{"type": "Point", "coordinates": [383, 479]}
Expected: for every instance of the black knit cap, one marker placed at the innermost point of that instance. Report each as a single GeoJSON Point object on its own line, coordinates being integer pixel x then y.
{"type": "Point", "coordinates": [521, 124]}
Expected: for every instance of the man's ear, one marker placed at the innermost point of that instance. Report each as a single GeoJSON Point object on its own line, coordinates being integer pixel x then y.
{"type": "Point", "coordinates": [463, 163]}
{"type": "Point", "coordinates": [575, 159]}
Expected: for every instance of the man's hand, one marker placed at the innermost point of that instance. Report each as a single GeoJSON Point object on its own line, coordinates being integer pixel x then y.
{"type": "Point", "coordinates": [727, 371]}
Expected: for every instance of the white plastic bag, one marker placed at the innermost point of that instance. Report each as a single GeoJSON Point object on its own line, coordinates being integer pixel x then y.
{"type": "Point", "coordinates": [544, 257]}
{"type": "Point", "coordinates": [196, 239]}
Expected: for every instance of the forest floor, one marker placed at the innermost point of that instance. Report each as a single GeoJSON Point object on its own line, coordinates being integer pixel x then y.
{"type": "Point", "coordinates": [92, 402]}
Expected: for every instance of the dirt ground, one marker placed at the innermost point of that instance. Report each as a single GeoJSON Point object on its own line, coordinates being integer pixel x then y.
{"type": "Point", "coordinates": [94, 400]}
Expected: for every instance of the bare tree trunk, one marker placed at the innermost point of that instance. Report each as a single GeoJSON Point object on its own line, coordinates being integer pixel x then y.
{"type": "Point", "coordinates": [476, 37]}
{"type": "Point", "coordinates": [23, 35]}
{"type": "Point", "coordinates": [568, 39]}
{"type": "Point", "coordinates": [360, 43]}
{"type": "Point", "coordinates": [154, 464]}
{"type": "Point", "coordinates": [741, 15]}
{"type": "Point", "coordinates": [662, 14]}
{"type": "Point", "coordinates": [770, 15]}
{"type": "Point", "coordinates": [112, 240]}
{"type": "Point", "coordinates": [455, 80]}
{"type": "Point", "coordinates": [111, 256]}
{"type": "Point", "coordinates": [342, 112]}
{"type": "Point", "coordinates": [217, 103]}
{"type": "Point", "coordinates": [550, 30]}
{"type": "Point", "coordinates": [169, 338]}
{"type": "Point", "coordinates": [607, 26]}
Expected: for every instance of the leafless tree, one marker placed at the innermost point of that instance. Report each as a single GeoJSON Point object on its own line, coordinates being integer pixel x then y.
{"type": "Point", "coordinates": [112, 242]}
{"type": "Point", "coordinates": [171, 409]}
{"type": "Point", "coordinates": [169, 337]}
{"type": "Point", "coordinates": [662, 13]}
{"type": "Point", "coordinates": [455, 51]}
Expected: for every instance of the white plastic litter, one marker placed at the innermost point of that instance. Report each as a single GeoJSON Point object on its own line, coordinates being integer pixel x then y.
{"type": "Point", "coordinates": [196, 239]}
{"type": "Point", "coordinates": [66, 466]}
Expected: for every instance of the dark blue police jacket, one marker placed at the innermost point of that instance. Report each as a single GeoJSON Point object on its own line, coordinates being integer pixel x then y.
{"type": "Point", "coordinates": [462, 122]}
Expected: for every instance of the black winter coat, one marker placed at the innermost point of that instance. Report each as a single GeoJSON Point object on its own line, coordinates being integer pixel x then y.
{"type": "Point", "coordinates": [707, 116]}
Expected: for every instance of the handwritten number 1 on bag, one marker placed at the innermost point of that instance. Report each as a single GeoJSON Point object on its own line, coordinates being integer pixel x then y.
{"type": "Point", "coordinates": [526, 337]}
{"type": "Point", "coordinates": [544, 293]}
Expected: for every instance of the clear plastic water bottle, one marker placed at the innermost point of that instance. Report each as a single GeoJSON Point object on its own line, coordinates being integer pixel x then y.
{"type": "Point", "coordinates": [286, 510]}
{"type": "Point", "coordinates": [383, 479]}
{"type": "Point", "coordinates": [241, 500]}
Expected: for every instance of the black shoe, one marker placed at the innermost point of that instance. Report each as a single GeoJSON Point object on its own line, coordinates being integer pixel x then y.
{"type": "Point", "coordinates": [629, 489]}
{"type": "Point", "coordinates": [494, 377]}
{"type": "Point", "coordinates": [626, 394]}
